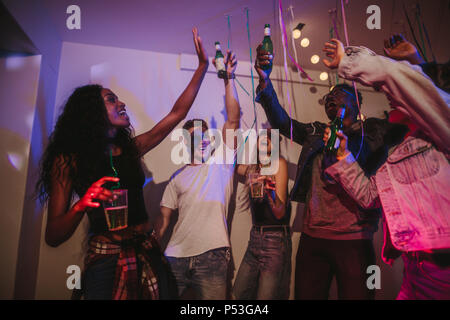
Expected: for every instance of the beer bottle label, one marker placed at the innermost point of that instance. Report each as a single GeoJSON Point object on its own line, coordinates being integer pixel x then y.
{"type": "Point", "coordinates": [220, 65]}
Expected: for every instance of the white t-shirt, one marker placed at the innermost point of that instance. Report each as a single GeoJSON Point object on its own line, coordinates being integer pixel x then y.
{"type": "Point", "coordinates": [201, 193]}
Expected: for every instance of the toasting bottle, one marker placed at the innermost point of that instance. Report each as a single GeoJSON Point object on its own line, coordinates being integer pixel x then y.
{"type": "Point", "coordinates": [336, 125]}
{"type": "Point", "coordinates": [267, 45]}
{"type": "Point", "coordinates": [220, 65]}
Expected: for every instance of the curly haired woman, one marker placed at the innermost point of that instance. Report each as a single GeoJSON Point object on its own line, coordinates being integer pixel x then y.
{"type": "Point", "coordinates": [92, 138]}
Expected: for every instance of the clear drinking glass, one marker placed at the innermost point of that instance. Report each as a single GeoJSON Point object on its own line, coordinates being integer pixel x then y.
{"type": "Point", "coordinates": [116, 211]}
{"type": "Point", "coordinates": [256, 186]}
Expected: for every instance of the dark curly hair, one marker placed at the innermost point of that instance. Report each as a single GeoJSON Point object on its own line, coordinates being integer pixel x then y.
{"type": "Point", "coordinates": [349, 90]}
{"type": "Point", "coordinates": [80, 140]}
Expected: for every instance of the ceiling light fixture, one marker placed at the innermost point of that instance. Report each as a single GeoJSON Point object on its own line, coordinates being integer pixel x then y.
{"type": "Point", "coordinates": [296, 33]}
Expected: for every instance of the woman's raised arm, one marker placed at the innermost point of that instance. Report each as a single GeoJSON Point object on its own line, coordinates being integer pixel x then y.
{"type": "Point", "coordinates": [150, 139]}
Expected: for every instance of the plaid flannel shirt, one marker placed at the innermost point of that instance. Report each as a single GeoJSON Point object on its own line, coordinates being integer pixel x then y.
{"type": "Point", "coordinates": [134, 277]}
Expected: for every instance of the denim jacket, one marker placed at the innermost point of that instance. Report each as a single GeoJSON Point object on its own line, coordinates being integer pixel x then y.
{"type": "Point", "coordinates": [413, 185]}
{"type": "Point", "coordinates": [413, 188]}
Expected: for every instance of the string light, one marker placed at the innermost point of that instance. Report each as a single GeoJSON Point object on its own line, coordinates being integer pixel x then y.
{"type": "Point", "coordinates": [315, 59]}
{"type": "Point", "coordinates": [305, 42]}
{"type": "Point", "coordinates": [323, 76]}
{"type": "Point", "coordinates": [296, 33]}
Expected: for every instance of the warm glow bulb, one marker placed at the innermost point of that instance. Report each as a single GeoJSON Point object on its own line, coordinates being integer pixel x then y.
{"type": "Point", "coordinates": [323, 76]}
{"type": "Point", "coordinates": [315, 59]}
{"type": "Point", "coordinates": [296, 33]}
{"type": "Point", "coordinates": [305, 42]}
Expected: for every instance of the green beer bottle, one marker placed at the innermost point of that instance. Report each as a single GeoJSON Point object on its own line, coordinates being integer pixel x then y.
{"type": "Point", "coordinates": [267, 45]}
{"type": "Point", "coordinates": [220, 65]}
{"type": "Point", "coordinates": [336, 125]}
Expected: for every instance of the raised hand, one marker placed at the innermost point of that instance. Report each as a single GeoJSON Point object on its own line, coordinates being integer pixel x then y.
{"type": "Point", "coordinates": [96, 192]}
{"type": "Point", "coordinates": [263, 58]}
{"type": "Point", "coordinates": [230, 62]}
{"type": "Point", "coordinates": [398, 48]}
{"type": "Point", "coordinates": [335, 51]}
{"type": "Point", "coordinates": [201, 52]}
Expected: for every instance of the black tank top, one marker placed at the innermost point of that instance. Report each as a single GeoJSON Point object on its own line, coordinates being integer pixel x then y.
{"type": "Point", "coordinates": [262, 214]}
{"type": "Point", "coordinates": [132, 178]}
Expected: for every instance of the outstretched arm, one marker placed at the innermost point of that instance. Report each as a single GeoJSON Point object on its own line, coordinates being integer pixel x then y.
{"type": "Point", "coordinates": [232, 105]}
{"type": "Point", "coordinates": [277, 116]}
{"type": "Point", "coordinates": [150, 139]}
{"type": "Point", "coordinates": [406, 86]}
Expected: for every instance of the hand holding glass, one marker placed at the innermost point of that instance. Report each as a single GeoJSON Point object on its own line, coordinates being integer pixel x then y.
{"type": "Point", "coordinates": [116, 211]}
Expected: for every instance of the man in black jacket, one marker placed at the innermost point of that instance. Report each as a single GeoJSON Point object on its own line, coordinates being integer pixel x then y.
{"type": "Point", "coordinates": [337, 235]}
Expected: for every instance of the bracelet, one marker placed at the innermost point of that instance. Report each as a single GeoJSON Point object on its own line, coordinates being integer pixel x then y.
{"type": "Point", "coordinates": [231, 76]}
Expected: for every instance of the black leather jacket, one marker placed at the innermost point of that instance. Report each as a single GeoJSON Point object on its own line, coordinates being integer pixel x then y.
{"type": "Point", "coordinates": [373, 152]}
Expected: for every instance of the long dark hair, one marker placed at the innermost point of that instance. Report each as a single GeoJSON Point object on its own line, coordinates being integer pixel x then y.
{"type": "Point", "coordinates": [80, 140]}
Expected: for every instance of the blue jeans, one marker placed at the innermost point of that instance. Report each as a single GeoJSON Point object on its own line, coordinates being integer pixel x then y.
{"type": "Point", "coordinates": [424, 280]}
{"type": "Point", "coordinates": [205, 273]}
{"type": "Point", "coordinates": [265, 271]}
{"type": "Point", "coordinates": [98, 279]}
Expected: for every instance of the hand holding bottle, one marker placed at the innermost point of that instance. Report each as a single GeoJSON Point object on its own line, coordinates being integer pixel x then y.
{"type": "Point", "coordinates": [263, 58]}
{"type": "Point", "coordinates": [342, 150]}
{"type": "Point", "coordinates": [225, 66]}
{"type": "Point", "coordinates": [332, 143]}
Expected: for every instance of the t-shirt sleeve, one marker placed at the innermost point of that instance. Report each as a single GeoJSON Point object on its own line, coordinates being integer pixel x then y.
{"type": "Point", "coordinates": [170, 196]}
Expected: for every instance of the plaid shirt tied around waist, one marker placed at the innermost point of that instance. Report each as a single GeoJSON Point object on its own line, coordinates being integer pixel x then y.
{"type": "Point", "coordinates": [134, 276]}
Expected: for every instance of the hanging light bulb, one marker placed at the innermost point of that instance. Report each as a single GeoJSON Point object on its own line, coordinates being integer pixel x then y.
{"type": "Point", "coordinates": [297, 32]}
{"type": "Point", "coordinates": [323, 76]}
{"type": "Point", "coordinates": [315, 59]}
{"type": "Point", "coordinates": [305, 42]}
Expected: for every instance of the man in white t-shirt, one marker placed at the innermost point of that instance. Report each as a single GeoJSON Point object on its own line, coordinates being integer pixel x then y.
{"type": "Point", "coordinates": [199, 248]}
